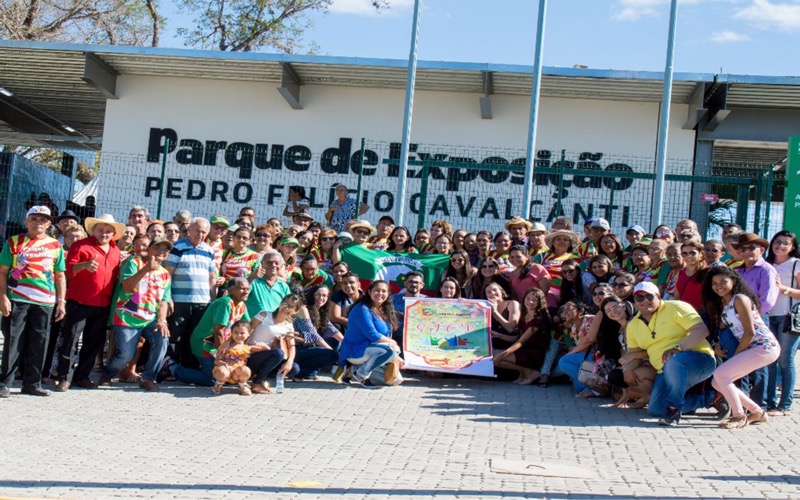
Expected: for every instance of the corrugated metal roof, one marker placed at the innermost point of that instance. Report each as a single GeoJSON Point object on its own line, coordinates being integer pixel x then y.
{"type": "Point", "coordinates": [46, 78]}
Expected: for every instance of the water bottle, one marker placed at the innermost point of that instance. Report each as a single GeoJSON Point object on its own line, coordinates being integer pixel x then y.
{"type": "Point", "coordinates": [279, 383]}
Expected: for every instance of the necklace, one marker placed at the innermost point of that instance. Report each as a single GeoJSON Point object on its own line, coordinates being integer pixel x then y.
{"type": "Point", "coordinates": [647, 324]}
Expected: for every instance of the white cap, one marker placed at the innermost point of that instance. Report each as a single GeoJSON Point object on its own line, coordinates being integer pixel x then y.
{"type": "Point", "coordinates": [646, 287]}
{"type": "Point", "coordinates": [40, 210]}
{"type": "Point", "coordinates": [601, 223]}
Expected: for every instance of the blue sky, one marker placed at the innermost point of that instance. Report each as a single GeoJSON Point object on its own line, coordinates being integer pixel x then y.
{"type": "Point", "coordinates": [755, 37]}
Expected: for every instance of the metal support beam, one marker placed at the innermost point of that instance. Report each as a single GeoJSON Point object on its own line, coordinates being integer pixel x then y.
{"type": "Point", "coordinates": [717, 119]}
{"type": "Point", "coordinates": [100, 75]}
{"type": "Point", "coordinates": [23, 139]}
{"type": "Point", "coordinates": [488, 91]}
{"type": "Point", "coordinates": [290, 86]}
{"type": "Point", "coordinates": [697, 109]}
{"type": "Point", "coordinates": [703, 166]}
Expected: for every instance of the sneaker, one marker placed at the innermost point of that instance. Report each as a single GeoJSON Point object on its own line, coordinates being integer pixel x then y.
{"type": "Point", "coordinates": [148, 385]}
{"type": "Point", "coordinates": [4, 392]}
{"type": "Point", "coordinates": [759, 417]}
{"type": "Point", "coordinates": [671, 417]}
{"type": "Point", "coordinates": [62, 386]}
{"type": "Point", "coordinates": [357, 380]}
{"type": "Point", "coordinates": [723, 409]}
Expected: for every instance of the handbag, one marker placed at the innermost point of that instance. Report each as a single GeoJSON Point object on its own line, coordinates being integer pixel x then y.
{"type": "Point", "coordinates": [793, 325]}
{"type": "Point", "coordinates": [588, 377]}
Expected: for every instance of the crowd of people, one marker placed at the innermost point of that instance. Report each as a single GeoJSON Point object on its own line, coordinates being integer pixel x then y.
{"type": "Point", "coordinates": [659, 319]}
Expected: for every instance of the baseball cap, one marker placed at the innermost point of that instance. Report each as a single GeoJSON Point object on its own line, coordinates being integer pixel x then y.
{"type": "Point", "coordinates": [601, 223]}
{"type": "Point", "coordinates": [161, 241]}
{"type": "Point", "coordinates": [40, 210]}
{"type": "Point", "coordinates": [637, 228]}
{"type": "Point", "coordinates": [222, 220]}
{"type": "Point", "coordinates": [589, 221]}
{"type": "Point", "coordinates": [290, 241]}
{"type": "Point", "coordinates": [646, 287]}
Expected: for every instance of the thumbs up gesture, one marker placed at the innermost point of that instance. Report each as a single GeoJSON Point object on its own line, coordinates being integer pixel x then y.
{"type": "Point", "coordinates": [92, 265]}
{"type": "Point", "coordinates": [152, 265]}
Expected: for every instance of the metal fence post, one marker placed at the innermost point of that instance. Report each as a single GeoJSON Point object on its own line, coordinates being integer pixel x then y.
{"type": "Point", "coordinates": [560, 207]}
{"type": "Point", "coordinates": [163, 175]}
{"type": "Point", "coordinates": [423, 197]}
{"type": "Point", "coordinates": [757, 215]}
{"type": "Point", "coordinates": [768, 209]}
{"type": "Point", "coordinates": [358, 187]}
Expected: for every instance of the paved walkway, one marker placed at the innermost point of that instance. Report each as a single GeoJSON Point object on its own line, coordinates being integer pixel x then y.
{"type": "Point", "coordinates": [432, 438]}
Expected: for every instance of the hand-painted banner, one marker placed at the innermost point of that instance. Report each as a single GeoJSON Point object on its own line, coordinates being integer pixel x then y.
{"type": "Point", "coordinates": [448, 335]}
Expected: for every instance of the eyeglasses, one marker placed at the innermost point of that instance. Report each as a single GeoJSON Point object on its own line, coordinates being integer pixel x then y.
{"type": "Point", "coordinates": [361, 231]}
{"type": "Point", "coordinates": [641, 297]}
{"type": "Point", "coordinates": [749, 248]}
{"type": "Point", "coordinates": [488, 266]}
{"type": "Point", "coordinates": [602, 293]}
{"type": "Point", "coordinates": [327, 238]}
{"type": "Point", "coordinates": [621, 284]}
{"type": "Point", "coordinates": [783, 243]}
{"type": "Point", "coordinates": [262, 235]}
{"type": "Point", "coordinates": [711, 250]}
{"type": "Point", "coordinates": [686, 254]}
{"type": "Point", "coordinates": [414, 283]}
{"type": "Point", "coordinates": [569, 271]}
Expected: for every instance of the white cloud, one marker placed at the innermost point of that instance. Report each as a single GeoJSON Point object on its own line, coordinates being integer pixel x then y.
{"type": "Point", "coordinates": [365, 7]}
{"type": "Point", "coordinates": [633, 10]}
{"type": "Point", "coordinates": [728, 37]}
{"type": "Point", "coordinates": [771, 15]}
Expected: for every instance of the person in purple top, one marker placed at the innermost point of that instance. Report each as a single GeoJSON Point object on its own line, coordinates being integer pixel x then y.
{"type": "Point", "coordinates": [762, 279]}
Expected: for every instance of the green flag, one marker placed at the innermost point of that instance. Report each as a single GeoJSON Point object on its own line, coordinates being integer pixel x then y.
{"type": "Point", "coordinates": [371, 265]}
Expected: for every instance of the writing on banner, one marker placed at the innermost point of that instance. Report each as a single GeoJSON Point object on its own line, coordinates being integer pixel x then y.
{"type": "Point", "coordinates": [448, 335]}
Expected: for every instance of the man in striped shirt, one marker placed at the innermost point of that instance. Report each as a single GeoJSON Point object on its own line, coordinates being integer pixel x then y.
{"type": "Point", "coordinates": [191, 264]}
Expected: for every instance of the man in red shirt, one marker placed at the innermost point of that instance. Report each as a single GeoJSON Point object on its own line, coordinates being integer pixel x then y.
{"type": "Point", "coordinates": [93, 267]}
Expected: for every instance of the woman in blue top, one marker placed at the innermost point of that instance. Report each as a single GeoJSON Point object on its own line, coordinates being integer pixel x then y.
{"type": "Point", "coordinates": [368, 339]}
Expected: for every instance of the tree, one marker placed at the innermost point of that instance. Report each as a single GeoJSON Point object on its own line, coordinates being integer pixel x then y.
{"type": "Point", "coordinates": [114, 22]}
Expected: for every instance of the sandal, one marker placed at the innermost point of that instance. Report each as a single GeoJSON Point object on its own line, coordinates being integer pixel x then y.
{"type": "Point", "coordinates": [532, 379]}
{"type": "Point", "coordinates": [757, 417]}
{"type": "Point", "coordinates": [244, 389]}
{"type": "Point", "coordinates": [217, 389]}
{"type": "Point", "coordinates": [544, 381]}
{"type": "Point", "coordinates": [134, 379]}
{"type": "Point", "coordinates": [777, 412]}
{"type": "Point", "coordinates": [261, 388]}
{"type": "Point", "coordinates": [639, 403]}
{"type": "Point", "coordinates": [739, 422]}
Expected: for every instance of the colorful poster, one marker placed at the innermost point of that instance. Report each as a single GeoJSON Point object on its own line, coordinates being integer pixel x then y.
{"type": "Point", "coordinates": [448, 335]}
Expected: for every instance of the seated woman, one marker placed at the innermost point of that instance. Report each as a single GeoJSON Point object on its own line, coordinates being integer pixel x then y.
{"type": "Point", "coordinates": [505, 317]}
{"type": "Point", "coordinates": [319, 305]}
{"type": "Point", "coordinates": [634, 377]}
{"type": "Point", "coordinates": [275, 329]}
{"type": "Point", "coordinates": [527, 354]}
{"type": "Point", "coordinates": [577, 321]}
{"type": "Point", "coordinates": [367, 343]}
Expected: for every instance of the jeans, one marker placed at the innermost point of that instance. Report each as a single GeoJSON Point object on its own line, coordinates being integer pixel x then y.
{"type": "Point", "coordinates": [202, 377]}
{"type": "Point", "coordinates": [263, 363]}
{"type": "Point", "coordinates": [311, 359]}
{"type": "Point", "coordinates": [375, 355]}
{"type": "Point", "coordinates": [25, 334]}
{"type": "Point", "coordinates": [754, 383]}
{"type": "Point", "coordinates": [181, 325]}
{"type": "Point", "coordinates": [550, 358]}
{"type": "Point", "coordinates": [785, 365]}
{"type": "Point", "coordinates": [92, 321]}
{"type": "Point", "coordinates": [570, 364]}
{"type": "Point", "coordinates": [680, 372]}
{"type": "Point", "coordinates": [126, 340]}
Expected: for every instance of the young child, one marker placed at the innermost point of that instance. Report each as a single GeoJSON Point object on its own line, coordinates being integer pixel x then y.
{"type": "Point", "coordinates": [230, 364]}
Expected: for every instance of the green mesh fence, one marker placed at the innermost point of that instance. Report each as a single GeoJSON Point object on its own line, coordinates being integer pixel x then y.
{"type": "Point", "coordinates": [472, 187]}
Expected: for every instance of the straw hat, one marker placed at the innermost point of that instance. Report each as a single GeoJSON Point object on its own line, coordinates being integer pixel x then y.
{"type": "Point", "coordinates": [518, 221]}
{"type": "Point", "coordinates": [119, 227]}
{"type": "Point", "coordinates": [537, 227]}
{"type": "Point", "coordinates": [362, 223]}
{"type": "Point", "coordinates": [574, 239]}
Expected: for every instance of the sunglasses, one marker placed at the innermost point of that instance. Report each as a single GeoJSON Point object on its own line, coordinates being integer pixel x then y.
{"type": "Point", "coordinates": [621, 284]}
{"type": "Point", "coordinates": [601, 294]}
{"type": "Point", "coordinates": [749, 248]}
{"type": "Point", "coordinates": [686, 254]}
{"type": "Point", "coordinates": [262, 235]}
{"type": "Point", "coordinates": [327, 238]}
{"type": "Point", "coordinates": [361, 231]}
{"type": "Point", "coordinates": [641, 297]}
{"type": "Point", "coordinates": [569, 271]}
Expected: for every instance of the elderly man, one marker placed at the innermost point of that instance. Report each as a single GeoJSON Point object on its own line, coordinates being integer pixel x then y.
{"type": "Point", "coordinates": [380, 241]}
{"type": "Point", "coordinates": [139, 217]}
{"type": "Point", "coordinates": [93, 267]}
{"type": "Point", "coordinates": [311, 275]}
{"type": "Point", "coordinates": [31, 284]}
{"type": "Point", "coordinates": [267, 289]}
{"type": "Point", "coordinates": [598, 227]}
{"type": "Point", "coordinates": [141, 312]}
{"type": "Point", "coordinates": [517, 227]}
{"type": "Point", "coordinates": [536, 242]}
{"type": "Point", "coordinates": [671, 335]}
{"type": "Point", "coordinates": [194, 277]}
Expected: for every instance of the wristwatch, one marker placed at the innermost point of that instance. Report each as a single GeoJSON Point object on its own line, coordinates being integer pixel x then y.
{"type": "Point", "coordinates": [678, 348]}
